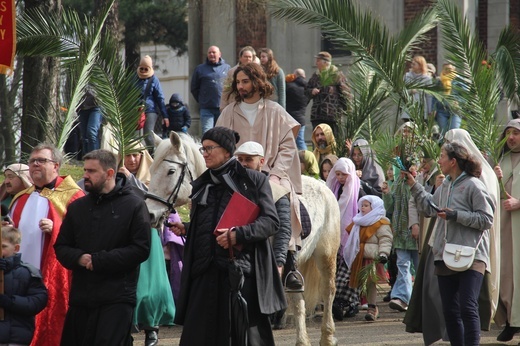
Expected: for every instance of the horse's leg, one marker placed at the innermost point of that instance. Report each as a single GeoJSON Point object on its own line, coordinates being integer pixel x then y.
{"type": "Point", "coordinates": [327, 267]}
{"type": "Point", "coordinates": [298, 304]}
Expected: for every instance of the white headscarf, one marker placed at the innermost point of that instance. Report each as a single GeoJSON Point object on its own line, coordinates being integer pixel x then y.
{"type": "Point", "coordinates": [348, 199]}
{"type": "Point", "coordinates": [378, 211]}
{"type": "Point", "coordinates": [489, 178]}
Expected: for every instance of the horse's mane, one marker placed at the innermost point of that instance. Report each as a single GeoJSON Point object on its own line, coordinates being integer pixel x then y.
{"type": "Point", "coordinates": [191, 154]}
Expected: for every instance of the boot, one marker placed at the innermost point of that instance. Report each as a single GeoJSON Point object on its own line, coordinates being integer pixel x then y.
{"type": "Point", "coordinates": [337, 309]}
{"type": "Point", "coordinates": [293, 279]}
{"type": "Point", "coordinates": [508, 333]}
{"type": "Point", "coordinates": [151, 339]}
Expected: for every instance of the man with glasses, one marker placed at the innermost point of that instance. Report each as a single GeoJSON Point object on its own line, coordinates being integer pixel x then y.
{"type": "Point", "coordinates": [38, 213]}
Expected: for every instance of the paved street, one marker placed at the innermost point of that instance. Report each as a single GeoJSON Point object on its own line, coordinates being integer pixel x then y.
{"type": "Point", "coordinates": [388, 330]}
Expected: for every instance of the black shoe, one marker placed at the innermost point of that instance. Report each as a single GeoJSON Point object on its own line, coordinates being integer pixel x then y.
{"type": "Point", "coordinates": [351, 312]}
{"type": "Point", "coordinates": [337, 310]}
{"type": "Point", "coordinates": [294, 282]}
{"type": "Point", "coordinates": [279, 320]}
{"type": "Point", "coordinates": [152, 339]}
{"type": "Point", "coordinates": [508, 333]}
{"type": "Point", "coordinates": [387, 298]}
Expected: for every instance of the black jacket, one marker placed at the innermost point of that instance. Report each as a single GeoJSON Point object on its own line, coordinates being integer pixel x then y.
{"type": "Point", "coordinates": [179, 116]}
{"type": "Point", "coordinates": [24, 286]}
{"type": "Point", "coordinates": [201, 249]}
{"type": "Point", "coordinates": [115, 229]}
{"type": "Point", "coordinates": [296, 100]}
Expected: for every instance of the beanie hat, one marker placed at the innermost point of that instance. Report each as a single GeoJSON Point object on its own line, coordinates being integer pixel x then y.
{"type": "Point", "coordinates": [514, 123]}
{"type": "Point", "coordinates": [21, 171]}
{"type": "Point", "coordinates": [224, 137]}
{"type": "Point", "coordinates": [145, 69]}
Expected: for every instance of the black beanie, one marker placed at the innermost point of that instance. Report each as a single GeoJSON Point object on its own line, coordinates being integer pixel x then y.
{"type": "Point", "coordinates": [225, 137]}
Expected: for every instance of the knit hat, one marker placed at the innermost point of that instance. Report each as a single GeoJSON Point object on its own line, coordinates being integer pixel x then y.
{"type": "Point", "coordinates": [324, 56]}
{"type": "Point", "coordinates": [224, 137]}
{"type": "Point", "coordinates": [250, 148]}
{"type": "Point", "coordinates": [22, 171]}
{"type": "Point", "coordinates": [431, 68]}
{"type": "Point", "coordinates": [145, 69]}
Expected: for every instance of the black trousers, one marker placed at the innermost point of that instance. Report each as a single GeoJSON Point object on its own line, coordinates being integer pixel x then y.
{"type": "Point", "coordinates": [105, 325]}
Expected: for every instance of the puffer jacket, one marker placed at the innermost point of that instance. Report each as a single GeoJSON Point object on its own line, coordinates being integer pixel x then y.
{"type": "Point", "coordinates": [23, 284]}
{"type": "Point", "coordinates": [179, 116]}
{"type": "Point", "coordinates": [115, 229]}
{"type": "Point", "coordinates": [154, 99]}
{"type": "Point", "coordinates": [379, 243]}
{"type": "Point", "coordinates": [296, 99]}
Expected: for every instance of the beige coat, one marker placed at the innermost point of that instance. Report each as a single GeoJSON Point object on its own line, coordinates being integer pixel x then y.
{"type": "Point", "coordinates": [379, 243]}
{"type": "Point", "coordinates": [275, 130]}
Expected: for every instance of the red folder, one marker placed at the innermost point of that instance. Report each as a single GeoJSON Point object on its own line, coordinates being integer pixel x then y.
{"type": "Point", "coordinates": [239, 212]}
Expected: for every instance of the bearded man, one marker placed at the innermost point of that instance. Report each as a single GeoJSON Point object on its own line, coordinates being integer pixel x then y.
{"type": "Point", "coordinates": [324, 142]}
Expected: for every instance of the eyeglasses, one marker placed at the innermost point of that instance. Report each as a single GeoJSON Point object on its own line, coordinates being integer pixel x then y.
{"type": "Point", "coordinates": [40, 161]}
{"type": "Point", "coordinates": [208, 149]}
{"type": "Point", "coordinates": [143, 69]}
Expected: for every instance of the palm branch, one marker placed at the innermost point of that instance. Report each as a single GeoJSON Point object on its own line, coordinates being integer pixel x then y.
{"type": "Point", "coordinates": [88, 57]}
{"type": "Point", "coordinates": [368, 274]}
{"type": "Point", "coordinates": [480, 90]}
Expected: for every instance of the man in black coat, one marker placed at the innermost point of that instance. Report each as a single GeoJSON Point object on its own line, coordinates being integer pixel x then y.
{"type": "Point", "coordinates": [296, 102]}
{"type": "Point", "coordinates": [103, 239]}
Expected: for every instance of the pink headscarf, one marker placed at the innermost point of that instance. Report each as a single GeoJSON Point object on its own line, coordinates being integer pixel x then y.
{"type": "Point", "coordinates": [348, 204]}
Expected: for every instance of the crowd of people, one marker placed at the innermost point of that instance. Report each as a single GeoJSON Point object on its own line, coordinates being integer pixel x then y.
{"type": "Point", "coordinates": [79, 255]}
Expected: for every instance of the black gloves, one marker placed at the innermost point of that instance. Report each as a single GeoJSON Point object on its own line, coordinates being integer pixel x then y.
{"type": "Point", "coordinates": [382, 259]}
{"type": "Point", "coordinates": [450, 214]}
{"type": "Point", "coordinates": [6, 265]}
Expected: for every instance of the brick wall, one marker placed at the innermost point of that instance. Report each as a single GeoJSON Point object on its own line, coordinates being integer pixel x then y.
{"type": "Point", "coordinates": [514, 13]}
{"type": "Point", "coordinates": [428, 48]}
{"type": "Point", "coordinates": [482, 21]}
{"type": "Point", "coordinates": [251, 24]}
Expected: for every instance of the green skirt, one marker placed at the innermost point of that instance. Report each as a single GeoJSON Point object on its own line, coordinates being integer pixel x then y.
{"type": "Point", "coordinates": [155, 304]}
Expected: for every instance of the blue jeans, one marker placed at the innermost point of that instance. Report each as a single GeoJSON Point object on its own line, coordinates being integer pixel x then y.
{"type": "Point", "coordinates": [208, 118]}
{"type": "Point", "coordinates": [89, 125]}
{"type": "Point", "coordinates": [300, 139]}
{"type": "Point", "coordinates": [459, 295]}
{"type": "Point", "coordinates": [403, 284]}
{"type": "Point", "coordinates": [447, 121]}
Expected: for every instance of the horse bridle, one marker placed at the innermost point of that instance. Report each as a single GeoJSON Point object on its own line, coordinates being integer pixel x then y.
{"type": "Point", "coordinates": [170, 202]}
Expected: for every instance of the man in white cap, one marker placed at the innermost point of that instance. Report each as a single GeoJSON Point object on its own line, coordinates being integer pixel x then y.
{"type": "Point", "coordinates": [251, 155]}
{"type": "Point", "coordinates": [17, 179]}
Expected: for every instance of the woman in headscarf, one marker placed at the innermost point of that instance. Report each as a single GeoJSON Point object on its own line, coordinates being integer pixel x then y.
{"type": "Point", "coordinates": [203, 308]}
{"type": "Point", "coordinates": [488, 299]}
{"type": "Point", "coordinates": [372, 175]}
{"type": "Point", "coordinates": [345, 184]}
{"type": "Point", "coordinates": [309, 164]}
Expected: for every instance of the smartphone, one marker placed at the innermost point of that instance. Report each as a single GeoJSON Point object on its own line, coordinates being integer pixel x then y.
{"type": "Point", "coordinates": [434, 206]}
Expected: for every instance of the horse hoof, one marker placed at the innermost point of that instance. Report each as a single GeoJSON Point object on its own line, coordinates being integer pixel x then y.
{"type": "Point", "coordinates": [334, 342]}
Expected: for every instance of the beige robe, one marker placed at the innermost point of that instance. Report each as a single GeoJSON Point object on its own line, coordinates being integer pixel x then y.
{"type": "Point", "coordinates": [509, 310]}
{"type": "Point", "coordinates": [275, 130]}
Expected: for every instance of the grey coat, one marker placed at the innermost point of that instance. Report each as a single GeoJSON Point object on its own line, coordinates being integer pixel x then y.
{"type": "Point", "coordinates": [475, 209]}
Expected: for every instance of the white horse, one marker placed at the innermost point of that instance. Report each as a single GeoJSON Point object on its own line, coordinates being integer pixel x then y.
{"type": "Point", "coordinates": [178, 162]}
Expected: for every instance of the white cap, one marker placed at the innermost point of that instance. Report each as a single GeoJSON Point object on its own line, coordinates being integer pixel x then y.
{"type": "Point", "coordinates": [250, 148]}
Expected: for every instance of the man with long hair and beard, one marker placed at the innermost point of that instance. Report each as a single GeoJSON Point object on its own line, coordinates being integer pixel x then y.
{"type": "Point", "coordinates": [261, 120]}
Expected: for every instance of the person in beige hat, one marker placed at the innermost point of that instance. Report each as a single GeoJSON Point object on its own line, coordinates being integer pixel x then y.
{"type": "Point", "coordinates": [328, 91]}
{"type": "Point", "coordinates": [17, 179]}
{"type": "Point", "coordinates": [152, 98]}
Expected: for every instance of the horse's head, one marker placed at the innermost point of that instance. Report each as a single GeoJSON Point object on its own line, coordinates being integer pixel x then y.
{"type": "Point", "coordinates": [176, 164]}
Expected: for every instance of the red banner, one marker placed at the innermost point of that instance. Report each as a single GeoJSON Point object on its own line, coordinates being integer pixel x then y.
{"type": "Point", "coordinates": [7, 36]}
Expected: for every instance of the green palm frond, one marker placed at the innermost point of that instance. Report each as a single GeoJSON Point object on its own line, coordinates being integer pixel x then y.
{"type": "Point", "coordinates": [89, 56]}
{"type": "Point", "coordinates": [368, 274]}
{"type": "Point", "coordinates": [508, 62]}
{"type": "Point", "coordinates": [350, 27]}
{"type": "Point", "coordinates": [478, 93]}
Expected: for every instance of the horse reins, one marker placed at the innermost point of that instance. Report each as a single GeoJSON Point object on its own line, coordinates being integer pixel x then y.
{"type": "Point", "coordinates": [172, 199]}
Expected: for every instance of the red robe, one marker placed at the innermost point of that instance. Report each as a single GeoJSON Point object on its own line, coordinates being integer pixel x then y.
{"type": "Point", "coordinates": [49, 322]}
